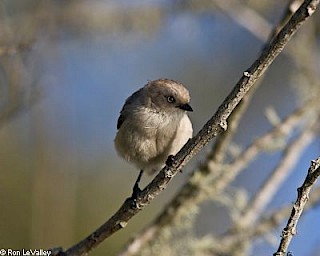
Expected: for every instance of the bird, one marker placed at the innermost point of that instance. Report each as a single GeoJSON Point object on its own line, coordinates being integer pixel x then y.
{"type": "Point", "coordinates": [153, 125]}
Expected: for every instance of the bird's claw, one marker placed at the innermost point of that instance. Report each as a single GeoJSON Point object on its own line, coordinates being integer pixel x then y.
{"type": "Point", "coordinates": [170, 160]}
{"type": "Point", "coordinates": [136, 189]}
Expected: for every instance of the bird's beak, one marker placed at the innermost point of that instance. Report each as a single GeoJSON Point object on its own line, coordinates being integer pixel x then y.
{"type": "Point", "coordinates": [185, 107]}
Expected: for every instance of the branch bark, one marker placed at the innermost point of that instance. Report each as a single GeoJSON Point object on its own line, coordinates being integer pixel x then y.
{"type": "Point", "coordinates": [216, 125]}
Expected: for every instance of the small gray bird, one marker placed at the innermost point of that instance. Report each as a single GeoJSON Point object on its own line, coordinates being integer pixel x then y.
{"type": "Point", "coordinates": [153, 125]}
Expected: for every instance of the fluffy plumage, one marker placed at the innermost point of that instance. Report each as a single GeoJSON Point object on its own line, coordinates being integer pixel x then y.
{"type": "Point", "coordinates": [153, 124]}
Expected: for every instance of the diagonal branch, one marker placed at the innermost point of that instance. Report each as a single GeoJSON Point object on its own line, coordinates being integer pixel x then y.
{"type": "Point", "coordinates": [216, 125]}
{"type": "Point", "coordinates": [303, 195]}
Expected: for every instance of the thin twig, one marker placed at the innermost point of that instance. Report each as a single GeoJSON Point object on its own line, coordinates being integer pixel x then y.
{"type": "Point", "coordinates": [266, 224]}
{"type": "Point", "coordinates": [303, 195]}
{"type": "Point", "coordinates": [267, 191]}
{"type": "Point", "coordinates": [216, 125]}
{"type": "Point", "coordinates": [262, 227]}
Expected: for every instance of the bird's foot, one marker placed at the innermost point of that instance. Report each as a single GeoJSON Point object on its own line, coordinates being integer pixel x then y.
{"type": "Point", "coordinates": [136, 189]}
{"type": "Point", "coordinates": [171, 161]}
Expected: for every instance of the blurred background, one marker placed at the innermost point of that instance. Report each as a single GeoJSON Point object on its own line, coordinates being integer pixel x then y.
{"type": "Point", "coordinates": [67, 68]}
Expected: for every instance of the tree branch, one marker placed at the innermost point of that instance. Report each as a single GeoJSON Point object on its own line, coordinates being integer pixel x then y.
{"type": "Point", "coordinates": [303, 195]}
{"type": "Point", "coordinates": [216, 125]}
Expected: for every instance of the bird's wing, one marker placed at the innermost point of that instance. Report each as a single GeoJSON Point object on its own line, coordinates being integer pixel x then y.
{"type": "Point", "coordinates": [130, 102]}
{"type": "Point", "coordinates": [120, 121]}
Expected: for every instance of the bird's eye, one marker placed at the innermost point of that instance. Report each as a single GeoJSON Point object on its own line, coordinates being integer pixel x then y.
{"type": "Point", "coordinates": [171, 99]}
